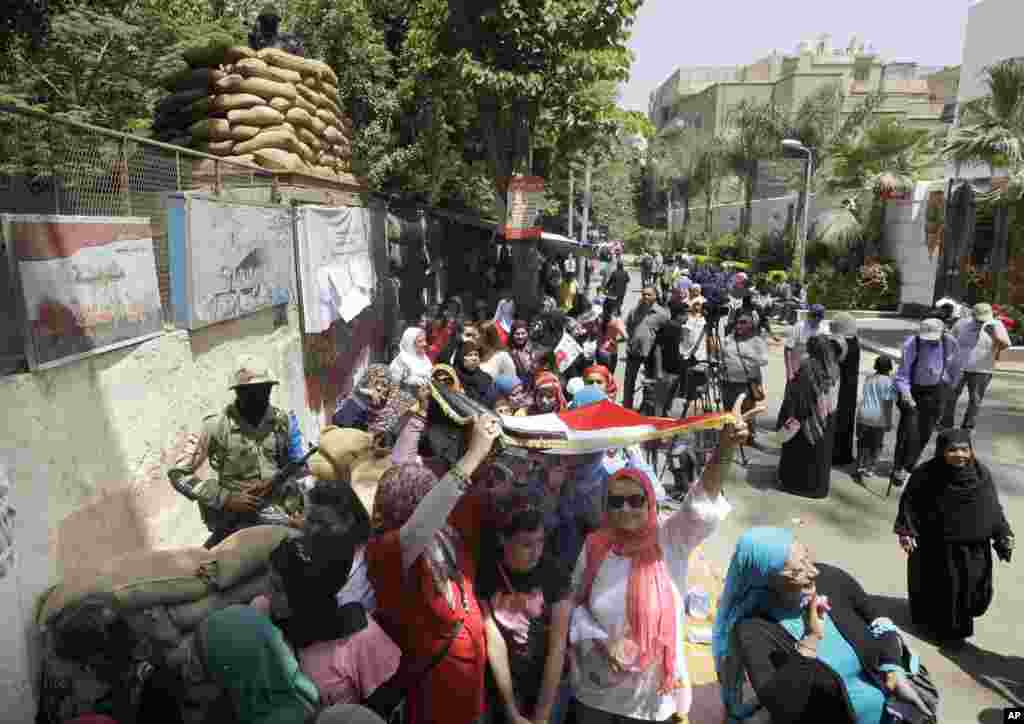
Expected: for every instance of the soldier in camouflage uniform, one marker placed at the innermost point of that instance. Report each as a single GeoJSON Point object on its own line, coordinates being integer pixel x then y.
{"type": "Point", "coordinates": [246, 444]}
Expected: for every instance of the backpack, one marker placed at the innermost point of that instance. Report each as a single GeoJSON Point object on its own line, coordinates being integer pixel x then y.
{"type": "Point", "coordinates": [917, 356]}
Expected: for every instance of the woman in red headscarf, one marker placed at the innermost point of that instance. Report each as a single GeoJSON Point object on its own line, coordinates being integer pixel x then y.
{"type": "Point", "coordinates": [547, 394]}
{"type": "Point", "coordinates": [630, 579]}
{"type": "Point", "coordinates": [601, 376]}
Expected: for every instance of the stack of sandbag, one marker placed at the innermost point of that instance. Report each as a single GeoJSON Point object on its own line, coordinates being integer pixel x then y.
{"type": "Point", "coordinates": [270, 108]}
{"type": "Point", "coordinates": [168, 592]}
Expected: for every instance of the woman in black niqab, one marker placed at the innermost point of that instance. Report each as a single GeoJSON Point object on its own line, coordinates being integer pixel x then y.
{"type": "Point", "coordinates": [949, 520]}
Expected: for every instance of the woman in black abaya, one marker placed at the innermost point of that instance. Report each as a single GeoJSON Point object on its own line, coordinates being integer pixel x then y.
{"type": "Point", "coordinates": [844, 326]}
{"type": "Point", "coordinates": [949, 521]}
{"type": "Point", "coordinates": [808, 421]}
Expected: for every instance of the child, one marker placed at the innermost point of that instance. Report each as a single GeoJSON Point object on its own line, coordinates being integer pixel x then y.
{"type": "Point", "coordinates": [874, 417]}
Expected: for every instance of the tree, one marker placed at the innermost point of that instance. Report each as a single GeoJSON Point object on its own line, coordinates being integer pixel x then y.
{"type": "Point", "coordinates": [752, 135]}
{"type": "Point", "coordinates": [820, 124]}
{"type": "Point", "coordinates": [884, 158]}
{"type": "Point", "coordinates": [672, 163]}
{"type": "Point", "coordinates": [527, 70]}
{"type": "Point", "coordinates": [709, 170]}
{"type": "Point", "coordinates": [992, 132]}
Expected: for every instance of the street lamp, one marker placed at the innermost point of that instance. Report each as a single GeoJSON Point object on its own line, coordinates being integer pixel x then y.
{"type": "Point", "coordinates": [795, 146]}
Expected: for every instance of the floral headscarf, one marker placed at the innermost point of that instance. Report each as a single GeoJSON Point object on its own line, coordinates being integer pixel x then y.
{"type": "Point", "coordinates": [548, 380]}
{"type": "Point", "coordinates": [399, 491]}
{"type": "Point", "coordinates": [386, 418]}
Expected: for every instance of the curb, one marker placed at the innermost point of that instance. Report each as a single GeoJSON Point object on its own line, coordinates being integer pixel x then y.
{"type": "Point", "coordinates": [897, 355]}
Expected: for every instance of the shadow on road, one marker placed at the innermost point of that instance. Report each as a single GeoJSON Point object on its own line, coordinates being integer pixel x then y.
{"type": "Point", "coordinates": [1003, 675]}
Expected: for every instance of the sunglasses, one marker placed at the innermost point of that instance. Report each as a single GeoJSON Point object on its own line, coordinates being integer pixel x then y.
{"type": "Point", "coordinates": [636, 502]}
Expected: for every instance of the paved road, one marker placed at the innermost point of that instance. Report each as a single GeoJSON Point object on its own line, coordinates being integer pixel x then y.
{"type": "Point", "coordinates": [853, 529]}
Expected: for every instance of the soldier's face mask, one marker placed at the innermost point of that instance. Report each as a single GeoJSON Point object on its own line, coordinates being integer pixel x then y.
{"type": "Point", "coordinates": [253, 401]}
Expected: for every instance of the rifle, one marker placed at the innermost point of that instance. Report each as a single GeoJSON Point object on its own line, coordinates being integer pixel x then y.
{"type": "Point", "coordinates": [222, 523]}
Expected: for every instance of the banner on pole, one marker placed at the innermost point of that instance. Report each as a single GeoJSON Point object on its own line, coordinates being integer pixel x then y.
{"type": "Point", "coordinates": [525, 202]}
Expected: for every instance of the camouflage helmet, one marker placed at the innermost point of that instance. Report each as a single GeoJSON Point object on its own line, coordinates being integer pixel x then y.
{"type": "Point", "coordinates": [270, 11]}
{"type": "Point", "coordinates": [250, 370]}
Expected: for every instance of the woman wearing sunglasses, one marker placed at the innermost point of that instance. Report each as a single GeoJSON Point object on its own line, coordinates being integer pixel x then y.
{"type": "Point", "coordinates": [630, 584]}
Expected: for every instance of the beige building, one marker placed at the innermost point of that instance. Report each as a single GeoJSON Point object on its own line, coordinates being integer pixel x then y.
{"type": "Point", "coordinates": [699, 98]}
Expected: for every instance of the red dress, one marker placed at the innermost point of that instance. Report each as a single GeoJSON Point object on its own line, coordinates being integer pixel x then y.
{"type": "Point", "coordinates": [453, 692]}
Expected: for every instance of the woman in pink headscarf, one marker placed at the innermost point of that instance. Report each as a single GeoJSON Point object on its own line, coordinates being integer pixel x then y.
{"type": "Point", "coordinates": [630, 583]}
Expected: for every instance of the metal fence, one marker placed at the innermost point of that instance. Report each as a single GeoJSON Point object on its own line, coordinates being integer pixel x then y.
{"type": "Point", "coordinates": [51, 165]}
{"type": "Point", "coordinates": [59, 166]}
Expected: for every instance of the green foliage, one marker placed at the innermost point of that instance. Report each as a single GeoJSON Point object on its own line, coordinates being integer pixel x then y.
{"type": "Point", "coordinates": [754, 134]}
{"type": "Point", "coordinates": [874, 286]}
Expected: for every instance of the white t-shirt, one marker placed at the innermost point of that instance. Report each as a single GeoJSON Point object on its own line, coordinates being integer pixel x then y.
{"type": "Point", "coordinates": [635, 694]}
{"type": "Point", "coordinates": [500, 364]}
{"type": "Point", "coordinates": [977, 352]}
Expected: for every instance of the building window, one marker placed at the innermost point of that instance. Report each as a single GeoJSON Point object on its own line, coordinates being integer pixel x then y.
{"type": "Point", "coordinates": [861, 74]}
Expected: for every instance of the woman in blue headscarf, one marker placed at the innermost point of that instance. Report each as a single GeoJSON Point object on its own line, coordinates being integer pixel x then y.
{"type": "Point", "coordinates": [808, 657]}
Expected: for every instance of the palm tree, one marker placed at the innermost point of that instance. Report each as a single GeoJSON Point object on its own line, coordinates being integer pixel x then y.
{"type": "Point", "coordinates": [708, 172]}
{"type": "Point", "coordinates": [992, 132]}
{"type": "Point", "coordinates": [752, 135]}
{"type": "Point", "coordinates": [886, 157]}
{"type": "Point", "coordinates": [820, 124]}
{"type": "Point", "coordinates": [672, 158]}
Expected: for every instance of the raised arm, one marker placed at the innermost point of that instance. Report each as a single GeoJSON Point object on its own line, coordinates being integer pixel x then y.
{"type": "Point", "coordinates": [432, 512]}
{"type": "Point", "coordinates": [704, 507]}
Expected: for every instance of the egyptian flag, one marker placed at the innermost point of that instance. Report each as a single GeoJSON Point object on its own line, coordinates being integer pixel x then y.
{"type": "Point", "coordinates": [600, 426]}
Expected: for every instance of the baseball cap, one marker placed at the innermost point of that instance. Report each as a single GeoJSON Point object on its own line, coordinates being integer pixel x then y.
{"type": "Point", "coordinates": [250, 370]}
{"type": "Point", "coordinates": [931, 330]}
{"type": "Point", "coordinates": [983, 312]}
{"type": "Point", "coordinates": [817, 310]}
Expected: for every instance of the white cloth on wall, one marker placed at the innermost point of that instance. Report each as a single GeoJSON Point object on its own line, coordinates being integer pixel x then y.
{"type": "Point", "coordinates": [335, 264]}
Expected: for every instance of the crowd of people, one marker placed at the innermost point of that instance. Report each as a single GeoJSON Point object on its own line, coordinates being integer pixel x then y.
{"type": "Point", "coordinates": [454, 580]}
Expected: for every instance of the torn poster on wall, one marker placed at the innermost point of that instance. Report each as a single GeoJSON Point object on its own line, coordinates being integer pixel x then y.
{"type": "Point", "coordinates": [88, 284]}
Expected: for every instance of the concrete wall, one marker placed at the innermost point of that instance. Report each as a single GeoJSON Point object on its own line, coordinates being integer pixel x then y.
{"type": "Point", "coordinates": [769, 215]}
{"type": "Point", "coordinates": [905, 241]}
{"type": "Point", "coordinates": [992, 34]}
{"type": "Point", "coordinates": [87, 446]}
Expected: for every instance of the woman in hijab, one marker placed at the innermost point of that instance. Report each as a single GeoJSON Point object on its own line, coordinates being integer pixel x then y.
{"type": "Point", "coordinates": [949, 520]}
{"type": "Point", "coordinates": [422, 564]}
{"type": "Point", "coordinates": [478, 384]}
{"type": "Point", "coordinates": [521, 349]}
{"type": "Point", "coordinates": [248, 657]}
{"type": "Point", "coordinates": [412, 367]}
{"type": "Point", "coordinates": [447, 376]}
{"type": "Point", "coordinates": [547, 394]}
{"type": "Point", "coordinates": [844, 326]}
{"type": "Point", "coordinates": [627, 628]}
{"type": "Point", "coordinates": [494, 358]}
{"type": "Point", "coordinates": [808, 424]}
{"type": "Point", "coordinates": [377, 403]}
{"type": "Point", "coordinates": [512, 389]}
{"type": "Point", "coordinates": [527, 606]}
{"type": "Point", "coordinates": [341, 648]}
{"type": "Point", "coordinates": [602, 378]}
{"type": "Point", "coordinates": [504, 316]}
{"type": "Point", "coordinates": [807, 638]}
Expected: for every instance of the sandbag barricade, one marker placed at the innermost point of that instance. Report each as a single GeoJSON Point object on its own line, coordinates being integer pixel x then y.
{"type": "Point", "coordinates": [185, 581]}
{"type": "Point", "coordinates": [268, 108]}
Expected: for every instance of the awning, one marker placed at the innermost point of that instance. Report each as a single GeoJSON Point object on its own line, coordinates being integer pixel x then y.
{"type": "Point", "coordinates": [556, 244]}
